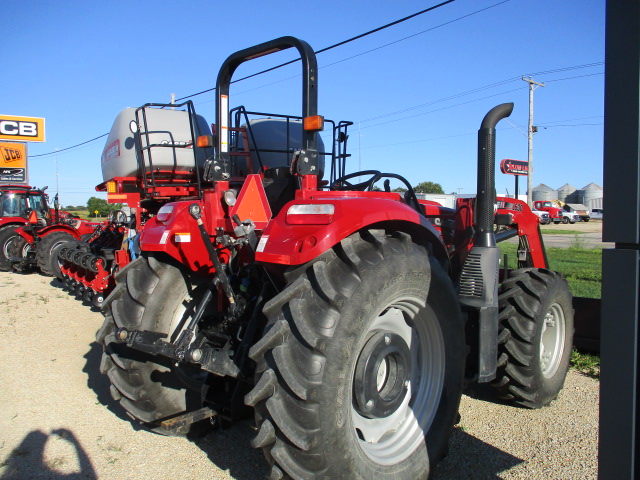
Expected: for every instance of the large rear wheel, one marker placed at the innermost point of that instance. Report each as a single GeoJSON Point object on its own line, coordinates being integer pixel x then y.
{"type": "Point", "coordinates": [360, 368]}
{"type": "Point", "coordinates": [47, 252]}
{"type": "Point", "coordinates": [536, 333]}
{"type": "Point", "coordinates": [7, 236]}
{"type": "Point", "coordinates": [159, 297]}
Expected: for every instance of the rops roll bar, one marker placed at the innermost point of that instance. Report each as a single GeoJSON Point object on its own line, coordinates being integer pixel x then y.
{"type": "Point", "coordinates": [219, 166]}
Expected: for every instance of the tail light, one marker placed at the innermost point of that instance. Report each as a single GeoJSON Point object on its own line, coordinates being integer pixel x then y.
{"type": "Point", "coordinates": [164, 213]}
{"type": "Point", "coordinates": [310, 214]}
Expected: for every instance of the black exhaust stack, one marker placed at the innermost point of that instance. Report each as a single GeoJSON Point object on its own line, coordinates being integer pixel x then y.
{"type": "Point", "coordinates": [479, 278]}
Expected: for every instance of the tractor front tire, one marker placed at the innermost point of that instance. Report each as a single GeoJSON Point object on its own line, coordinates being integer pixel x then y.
{"type": "Point", "coordinates": [7, 236]}
{"type": "Point", "coordinates": [47, 253]}
{"type": "Point", "coordinates": [360, 368]}
{"type": "Point", "coordinates": [536, 331]}
{"type": "Point", "coordinates": [154, 296]}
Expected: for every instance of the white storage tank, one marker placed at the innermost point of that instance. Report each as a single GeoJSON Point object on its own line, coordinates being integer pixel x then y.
{"type": "Point", "coordinates": [165, 127]}
{"type": "Point", "coordinates": [275, 139]}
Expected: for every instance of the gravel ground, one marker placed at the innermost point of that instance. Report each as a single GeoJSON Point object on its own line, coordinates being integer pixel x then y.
{"type": "Point", "coordinates": [57, 420]}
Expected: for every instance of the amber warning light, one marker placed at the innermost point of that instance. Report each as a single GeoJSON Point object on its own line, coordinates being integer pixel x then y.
{"type": "Point", "coordinates": [314, 123]}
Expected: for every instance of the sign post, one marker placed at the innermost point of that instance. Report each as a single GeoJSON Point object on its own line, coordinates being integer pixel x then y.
{"type": "Point", "coordinates": [517, 168]}
{"type": "Point", "coordinates": [13, 152]}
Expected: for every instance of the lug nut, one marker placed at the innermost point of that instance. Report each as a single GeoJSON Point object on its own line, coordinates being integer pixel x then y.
{"type": "Point", "coordinates": [369, 405]}
{"type": "Point", "coordinates": [387, 339]}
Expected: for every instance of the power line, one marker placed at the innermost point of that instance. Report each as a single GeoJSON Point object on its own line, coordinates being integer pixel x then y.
{"type": "Point", "coordinates": [396, 22]}
{"type": "Point", "coordinates": [351, 57]}
{"type": "Point", "coordinates": [68, 148]}
{"type": "Point", "coordinates": [486, 87]}
{"type": "Point", "coordinates": [344, 42]}
{"type": "Point", "coordinates": [443, 108]}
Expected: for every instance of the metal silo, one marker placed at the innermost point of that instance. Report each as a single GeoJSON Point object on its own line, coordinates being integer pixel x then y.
{"type": "Point", "coordinates": [564, 191]}
{"type": "Point", "coordinates": [543, 193]}
{"type": "Point", "coordinates": [592, 196]}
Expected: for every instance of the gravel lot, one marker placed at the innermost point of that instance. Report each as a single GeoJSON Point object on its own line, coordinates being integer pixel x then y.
{"type": "Point", "coordinates": [57, 420]}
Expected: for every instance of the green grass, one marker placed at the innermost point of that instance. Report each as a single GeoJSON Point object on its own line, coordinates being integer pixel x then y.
{"type": "Point", "coordinates": [581, 267]}
{"type": "Point", "coordinates": [556, 231]}
{"type": "Point", "coordinates": [586, 363]}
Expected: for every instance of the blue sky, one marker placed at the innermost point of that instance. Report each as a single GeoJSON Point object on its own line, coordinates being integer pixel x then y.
{"type": "Point", "coordinates": [417, 91]}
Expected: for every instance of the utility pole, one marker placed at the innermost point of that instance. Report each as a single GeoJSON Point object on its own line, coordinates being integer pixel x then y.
{"type": "Point", "coordinates": [57, 182]}
{"type": "Point", "coordinates": [531, 131]}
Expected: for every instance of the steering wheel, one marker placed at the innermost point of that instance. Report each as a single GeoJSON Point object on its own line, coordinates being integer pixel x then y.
{"type": "Point", "coordinates": [342, 183]}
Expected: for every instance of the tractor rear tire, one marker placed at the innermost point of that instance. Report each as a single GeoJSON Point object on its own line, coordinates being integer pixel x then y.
{"type": "Point", "coordinates": [536, 334]}
{"type": "Point", "coordinates": [47, 253]}
{"type": "Point", "coordinates": [360, 369]}
{"type": "Point", "coordinates": [154, 296]}
{"type": "Point", "coordinates": [19, 248]}
{"type": "Point", "coordinates": [7, 236]}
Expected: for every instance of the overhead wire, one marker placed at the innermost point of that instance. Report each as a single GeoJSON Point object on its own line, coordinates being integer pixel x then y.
{"type": "Point", "coordinates": [407, 109]}
{"type": "Point", "coordinates": [343, 42]}
{"type": "Point", "coordinates": [330, 47]}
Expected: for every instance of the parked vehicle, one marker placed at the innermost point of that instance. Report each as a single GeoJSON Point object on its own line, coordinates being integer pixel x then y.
{"type": "Point", "coordinates": [16, 203]}
{"type": "Point", "coordinates": [542, 216]}
{"type": "Point", "coordinates": [579, 210]}
{"type": "Point", "coordinates": [597, 213]}
{"type": "Point", "coordinates": [23, 209]}
{"type": "Point", "coordinates": [570, 217]}
{"type": "Point", "coordinates": [555, 213]}
{"type": "Point", "coordinates": [347, 319]}
{"type": "Point", "coordinates": [37, 242]}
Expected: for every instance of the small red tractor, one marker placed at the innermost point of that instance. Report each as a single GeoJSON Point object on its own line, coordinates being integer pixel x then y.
{"type": "Point", "coordinates": [347, 319]}
{"type": "Point", "coordinates": [22, 205]}
{"type": "Point", "coordinates": [16, 203]}
{"type": "Point", "coordinates": [36, 241]}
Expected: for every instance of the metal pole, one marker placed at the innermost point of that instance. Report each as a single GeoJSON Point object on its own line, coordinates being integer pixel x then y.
{"type": "Point", "coordinates": [619, 439]}
{"type": "Point", "coordinates": [57, 183]}
{"type": "Point", "coordinates": [530, 132]}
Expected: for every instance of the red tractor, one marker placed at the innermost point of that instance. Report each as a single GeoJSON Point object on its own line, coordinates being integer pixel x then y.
{"type": "Point", "coordinates": [38, 240]}
{"type": "Point", "coordinates": [347, 319]}
{"type": "Point", "coordinates": [17, 204]}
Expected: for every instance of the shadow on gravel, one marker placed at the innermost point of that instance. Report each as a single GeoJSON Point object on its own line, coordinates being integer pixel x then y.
{"type": "Point", "coordinates": [486, 393]}
{"type": "Point", "coordinates": [27, 459]}
{"type": "Point", "coordinates": [100, 384]}
{"type": "Point", "coordinates": [472, 458]}
{"type": "Point", "coordinates": [230, 450]}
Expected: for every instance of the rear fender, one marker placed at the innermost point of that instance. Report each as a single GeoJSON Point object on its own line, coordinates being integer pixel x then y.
{"type": "Point", "coordinates": [41, 232]}
{"type": "Point", "coordinates": [178, 237]}
{"type": "Point", "coordinates": [287, 242]}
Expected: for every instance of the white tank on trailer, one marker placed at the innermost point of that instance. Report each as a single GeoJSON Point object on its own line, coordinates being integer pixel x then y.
{"type": "Point", "coordinates": [164, 127]}
{"type": "Point", "coordinates": [275, 139]}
